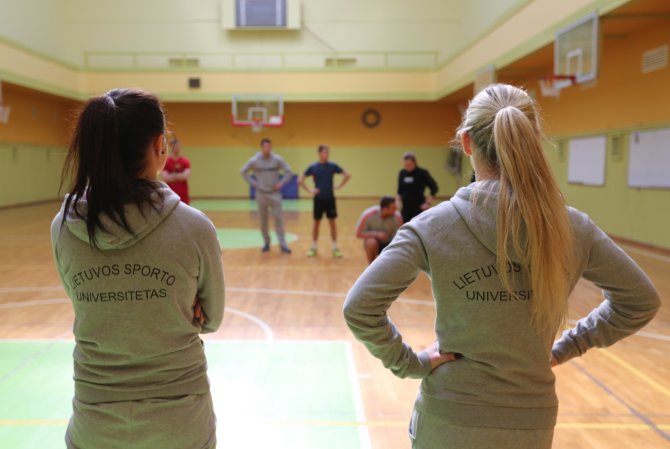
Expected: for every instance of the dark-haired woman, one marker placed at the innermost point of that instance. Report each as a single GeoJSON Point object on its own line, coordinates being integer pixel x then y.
{"type": "Point", "coordinates": [145, 277]}
{"type": "Point", "coordinates": [503, 256]}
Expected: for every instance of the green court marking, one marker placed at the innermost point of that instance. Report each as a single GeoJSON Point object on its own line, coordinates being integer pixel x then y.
{"type": "Point", "coordinates": [237, 238]}
{"type": "Point", "coordinates": [280, 394]}
{"type": "Point", "coordinates": [303, 205]}
{"type": "Point", "coordinates": [296, 395]}
{"type": "Point", "coordinates": [35, 385]}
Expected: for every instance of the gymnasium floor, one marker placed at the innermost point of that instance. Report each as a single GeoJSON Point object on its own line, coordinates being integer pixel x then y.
{"type": "Point", "coordinates": [284, 368]}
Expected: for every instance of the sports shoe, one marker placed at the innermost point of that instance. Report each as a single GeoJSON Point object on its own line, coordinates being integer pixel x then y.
{"type": "Point", "coordinates": [337, 253]}
{"type": "Point", "coordinates": [285, 249]}
{"type": "Point", "coordinates": [311, 252]}
{"type": "Point", "coordinates": [266, 248]}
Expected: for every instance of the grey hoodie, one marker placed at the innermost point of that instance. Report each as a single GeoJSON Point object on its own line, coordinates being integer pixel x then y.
{"type": "Point", "coordinates": [133, 300]}
{"type": "Point", "coordinates": [504, 379]}
{"type": "Point", "coordinates": [267, 171]}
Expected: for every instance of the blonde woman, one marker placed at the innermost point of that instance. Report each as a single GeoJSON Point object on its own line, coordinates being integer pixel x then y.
{"type": "Point", "coordinates": [503, 256]}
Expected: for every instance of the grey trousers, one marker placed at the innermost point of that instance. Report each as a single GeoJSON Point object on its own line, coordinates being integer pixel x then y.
{"type": "Point", "coordinates": [271, 203]}
{"type": "Point", "coordinates": [185, 422]}
{"type": "Point", "coordinates": [429, 432]}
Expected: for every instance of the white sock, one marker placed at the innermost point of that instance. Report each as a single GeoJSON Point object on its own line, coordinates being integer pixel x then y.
{"type": "Point", "coordinates": [313, 244]}
{"type": "Point", "coordinates": [334, 244]}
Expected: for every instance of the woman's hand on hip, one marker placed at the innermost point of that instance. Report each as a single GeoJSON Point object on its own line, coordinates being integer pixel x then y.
{"type": "Point", "coordinates": [438, 358]}
{"type": "Point", "coordinates": [198, 314]}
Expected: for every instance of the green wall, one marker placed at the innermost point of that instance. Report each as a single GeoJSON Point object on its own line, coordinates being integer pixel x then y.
{"type": "Point", "coordinates": [216, 171]}
{"type": "Point", "coordinates": [30, 173]}
{"type": "Point", "coordinates": [641, 215]}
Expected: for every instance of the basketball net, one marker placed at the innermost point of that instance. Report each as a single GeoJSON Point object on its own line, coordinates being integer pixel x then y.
{"type": "Point", "coordinates": [552, 85]}
{"type": "Point", "coordinates": [257, 126]}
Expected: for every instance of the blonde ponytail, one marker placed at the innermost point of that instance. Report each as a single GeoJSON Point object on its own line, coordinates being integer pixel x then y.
{"type": "Point", "coordinates": [532, 219]}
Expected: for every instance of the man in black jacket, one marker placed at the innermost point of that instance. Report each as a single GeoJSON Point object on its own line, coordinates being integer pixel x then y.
{"type": "Point", "coordinates": [412, 182]}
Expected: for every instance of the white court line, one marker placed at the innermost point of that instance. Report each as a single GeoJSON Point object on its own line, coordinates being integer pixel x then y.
{"type": "Point", "coordinates": [30, 289]}
{"type": "Point", "coordinates": [363, 431]}
{"type": "Point", "coordinates": [640, 333]}
{"type": "Point", "coordinates": [651, 335]}
{"type": "Point", "coordinates": [37, 340]}
{"type": "Point", "coordinates": [267, 330]}
{"type": "Point", "coordinates": [312, 293]}
{"type": "Point", "coordinates": [34, 302]}
{"type": "Point", "coordinates": [285, 292]}
{"type": "Point", "coordinates": [646, 253]}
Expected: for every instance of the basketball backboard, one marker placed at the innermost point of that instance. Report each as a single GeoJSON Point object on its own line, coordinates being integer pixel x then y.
{"type": "Point", "coordinates": [576, 50]}
{"type": "Point", "coordinates": [258, 111]}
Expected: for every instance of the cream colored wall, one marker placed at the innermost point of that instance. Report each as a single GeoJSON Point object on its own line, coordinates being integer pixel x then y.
{"type": "Point", "coordinates": [37, 25]}
{"type": "Point", "coordinates": [36, 72]}
{"type": "Point", "coordinates": [293, 86]}
{"type": "Point", "coordinates": [65, 29]}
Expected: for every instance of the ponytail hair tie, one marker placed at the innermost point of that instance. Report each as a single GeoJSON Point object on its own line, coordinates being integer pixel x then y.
{"type": "Point", "coordinates": [110, 100]}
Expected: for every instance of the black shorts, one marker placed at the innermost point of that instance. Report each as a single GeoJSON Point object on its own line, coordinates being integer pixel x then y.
{"type": "Point", "coordinates": [326, 205]}
{"type": "Point", "coordinates": [382, 245]}
{"type": "Point", "coordinates": [410, 212]}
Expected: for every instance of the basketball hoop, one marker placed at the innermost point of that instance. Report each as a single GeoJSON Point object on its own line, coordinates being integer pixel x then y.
{"type": "Point", "coordinates": [552, 85]}
{"type": "Point", "coordinates": [258, 111]}
{"type": "Point", "coordinates": [257, 126]}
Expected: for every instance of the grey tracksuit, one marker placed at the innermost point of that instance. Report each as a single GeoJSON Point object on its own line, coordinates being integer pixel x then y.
{"type": "Point", "coordinates": [139, 364]}
{"type": "Point", "coordinates": [267, 172]}
{"type": "Point", "coordinates": [504, 380]}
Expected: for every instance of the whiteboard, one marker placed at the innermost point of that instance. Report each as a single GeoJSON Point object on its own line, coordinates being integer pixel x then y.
{"type": "Point", "coordinates": [649, 161]}
{"type": "Point", "coordinates": [586, 161]}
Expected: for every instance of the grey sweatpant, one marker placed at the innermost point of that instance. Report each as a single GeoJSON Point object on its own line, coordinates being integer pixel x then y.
{"type": "Point", "coordinates": [429, 432]}
{"type": "Point", "coordinates": [185, 422]}
{"type": "Point", "coordinates": [271, 203]}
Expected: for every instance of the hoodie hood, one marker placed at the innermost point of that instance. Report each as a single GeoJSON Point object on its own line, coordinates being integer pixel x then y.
{"type": "Point", "coordinates": [141, 221]}
{"type": "Point", "coordinates": [479, 212]}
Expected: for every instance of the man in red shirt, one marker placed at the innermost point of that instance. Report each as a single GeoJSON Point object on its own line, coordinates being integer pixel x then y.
{"type": "Point", "coordinates": [177, 170]}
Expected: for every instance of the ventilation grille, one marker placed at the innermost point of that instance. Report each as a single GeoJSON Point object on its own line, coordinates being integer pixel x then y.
{"type": "Point", "coordinates": [340, 62]}
{"type": "Point", "coordinates": [183, 62]}
{"type": "Point", "coordinates": [655, 59]}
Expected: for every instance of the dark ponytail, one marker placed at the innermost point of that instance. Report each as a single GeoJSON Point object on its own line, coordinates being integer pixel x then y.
{"type": "Point", "coordinates": [108, 155]}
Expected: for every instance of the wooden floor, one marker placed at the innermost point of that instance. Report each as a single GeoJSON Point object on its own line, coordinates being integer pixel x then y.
{"type": "Point", "coordinates": [613, 398]}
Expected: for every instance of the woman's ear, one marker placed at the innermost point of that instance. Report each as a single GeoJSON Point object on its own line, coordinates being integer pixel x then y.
{"type": "Point", "coordinates": [466, 143]}
{"type": "Point", "coordinates": [159, 145]}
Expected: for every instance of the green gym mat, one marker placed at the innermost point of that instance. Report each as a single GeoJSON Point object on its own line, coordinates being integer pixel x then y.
{"type": "Point", "coordinates": [278, 394]}
{"type": "Point", "coordinates": [303, 205]}
{"type": "Point", "coordinates": [238, 238]}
